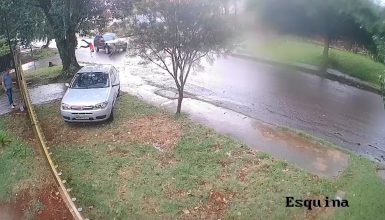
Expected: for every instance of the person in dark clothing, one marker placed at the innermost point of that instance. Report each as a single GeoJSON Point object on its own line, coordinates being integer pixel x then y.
{"type": "Point", "coordinates": [8, 85]}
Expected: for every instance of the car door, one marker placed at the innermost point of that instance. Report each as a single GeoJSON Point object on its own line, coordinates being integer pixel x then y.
{"type": "Point", "coordinates": [117, 77]}
{"type": "Point", "coordinates": [114, 83]}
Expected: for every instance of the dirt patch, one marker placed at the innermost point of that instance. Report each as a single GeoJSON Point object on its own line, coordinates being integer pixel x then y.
{"type": "Point", "coordinates": [8, 212]}
{"type": "Point", "coordinates": [318, 212]}
{"type": "Point", "coordinates": [244, 172]}
{"type": "Point", "coordinates": [217, 205]}
{"type": "Point", "coordinates": [150, 206]}
{"type": "Point", "coordinates": [128, 173]}
{"type": "Point", "coordinates": [46, 204]}
{"type": "Point", "coordinates": [57, 132]}
{"type": "Point", "coordinates": [158, 130]}
{"type": "Point", "coordinates": [116, 151]}
{"type": "Point", "coordinates": [20, 125]}
{"type": "Point", "coordinates": [53, 205]}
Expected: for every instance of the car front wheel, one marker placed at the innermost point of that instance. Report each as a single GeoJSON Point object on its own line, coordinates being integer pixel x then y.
{"type": "Point", "coordinates": [111, 118]}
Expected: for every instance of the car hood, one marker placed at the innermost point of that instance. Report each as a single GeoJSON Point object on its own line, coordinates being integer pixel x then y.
{"type": "Point", "coordinates": [84, 97]}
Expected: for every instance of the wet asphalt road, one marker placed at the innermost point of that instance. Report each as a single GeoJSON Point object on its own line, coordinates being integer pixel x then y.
{"type": "Point", "coordinates": [341, 114]}
{"type": "Point", "coordinates": [344, 115]}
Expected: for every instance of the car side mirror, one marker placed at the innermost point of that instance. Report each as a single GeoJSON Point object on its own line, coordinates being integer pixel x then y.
{"type": "Point", "coordinates": [67, 85]}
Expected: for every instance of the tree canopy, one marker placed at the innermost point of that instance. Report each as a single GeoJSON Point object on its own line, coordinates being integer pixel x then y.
{"type": "Point", "coordinates": [20, 22]}
{"type": "Point", "coordinates": [176, 35]}
{"type": "Point", "coordinates": [350, 20]}
{"type": "Point", "coordinates": [28, 20]}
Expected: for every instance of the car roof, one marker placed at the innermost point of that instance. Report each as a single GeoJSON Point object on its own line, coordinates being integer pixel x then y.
{"type": "Point", "coordinates": [105, 68]}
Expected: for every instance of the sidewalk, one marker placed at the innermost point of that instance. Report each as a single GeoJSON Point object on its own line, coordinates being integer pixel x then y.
{"type": "Point", "coordinates": [4, 105]}
{"type": "Point", "coordinates": [331, 74]}
{"type": "Point", "coordinates": [39, 95]}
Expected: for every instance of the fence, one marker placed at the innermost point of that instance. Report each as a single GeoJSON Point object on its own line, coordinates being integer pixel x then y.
{"type": "Point", "coordinates": [26, 100]}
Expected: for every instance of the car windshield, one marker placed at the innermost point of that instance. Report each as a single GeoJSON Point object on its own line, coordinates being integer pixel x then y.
{"type": "Point", "coordinates": [108, 37]}
{"type": "Point", "coordinates": [90, 80]}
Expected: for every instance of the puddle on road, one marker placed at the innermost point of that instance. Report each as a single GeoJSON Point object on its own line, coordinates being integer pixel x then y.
{"type": "Point", "coordinates": [39, 95]}
{"type": "Point", "coordinates": [311, 156]}
{"type": "Point", "coordinates": [47, 93]}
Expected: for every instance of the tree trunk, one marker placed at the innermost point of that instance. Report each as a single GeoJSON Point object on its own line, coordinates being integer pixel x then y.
{"type": "Point", "coordinates": [349, 46]}
{"type": "Point", "coordinates": [67, 47]}
{"type": "Point", "coordinates": [180, 99]}
{"type": "Point", "coordinates": [46, 45]}
{"type": "Point", "coordinates": [325, 55]}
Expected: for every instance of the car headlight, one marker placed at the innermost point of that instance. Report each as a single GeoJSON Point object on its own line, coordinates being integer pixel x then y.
{"type": "Point", "coordinates": [101, 105]}
{"type": "Point", "coordinates": [65, 106]}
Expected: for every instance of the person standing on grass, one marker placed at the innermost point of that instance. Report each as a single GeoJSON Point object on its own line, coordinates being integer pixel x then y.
{"type": "Point", "coordinates": [8, 85]}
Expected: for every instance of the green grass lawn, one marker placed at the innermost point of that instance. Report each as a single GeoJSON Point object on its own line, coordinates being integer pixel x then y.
{"type": "Point", "coordinates": [296, 50]}
{"type": "Point", "coordinates": [38, 54]}
{"type": "Point", "coordinates": [147, 164]}
{"type": "Point", "coordinates": [45, 75]}
{"type": "Point", "coordinates": [44, 53]}
{"type": "Point", "coordinates": [19, 168]}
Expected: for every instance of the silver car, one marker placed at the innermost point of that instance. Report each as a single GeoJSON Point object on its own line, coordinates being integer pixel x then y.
{"type": "Point", "coordinates": [91, 95]}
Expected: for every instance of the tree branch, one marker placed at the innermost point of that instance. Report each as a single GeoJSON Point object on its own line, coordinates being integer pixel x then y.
{"type": "Point", "coordinates": [160, 58]}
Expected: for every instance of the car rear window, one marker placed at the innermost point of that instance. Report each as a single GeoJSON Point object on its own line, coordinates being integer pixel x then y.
{"type": "Point", "coordinates": [90, 80]}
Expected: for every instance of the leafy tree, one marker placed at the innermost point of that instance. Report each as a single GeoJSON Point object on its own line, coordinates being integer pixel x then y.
{"type": "Point", "coordinates": [27, 20]}
{"type": "Point", "coordinates": [332, 19]}
{"type": "Point", "coordinates": [176, 35]}
{"type": "Point", "coordinates": [19, 22]}
{"type": "Point", "coordinates": [68, 17]}
{"type": "Point", "coordinates": [65, 17]}
{"type": "Point", "coordinates": [120, 8]}
{"type": "Point", "coordinates": [4, 48]}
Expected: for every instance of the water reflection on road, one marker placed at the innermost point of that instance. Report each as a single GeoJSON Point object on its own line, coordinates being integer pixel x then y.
{"type": "Point", "coordinates": [344, 115]}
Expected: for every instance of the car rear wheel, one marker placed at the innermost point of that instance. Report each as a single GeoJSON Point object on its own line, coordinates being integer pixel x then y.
{"type": "Point", "coordinates": [108, 50]}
